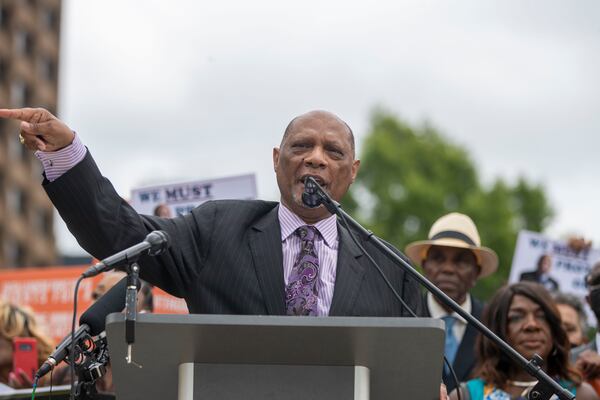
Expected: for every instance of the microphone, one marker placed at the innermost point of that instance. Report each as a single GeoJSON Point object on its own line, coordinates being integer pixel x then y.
{"type": "Point", "coordinates": [310, 197]}
{"type": "Point", "coordinates": [314, 195]}
{"type": "Point", "coordinates": [91, 323]}
{"type": "Point", "coordinates": [155, 243]}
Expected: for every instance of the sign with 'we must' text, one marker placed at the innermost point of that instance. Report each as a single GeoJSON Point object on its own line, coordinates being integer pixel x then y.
{"type": "Point", "coordinates": [181, 198]}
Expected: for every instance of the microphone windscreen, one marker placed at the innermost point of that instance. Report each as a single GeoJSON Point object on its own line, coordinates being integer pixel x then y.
{"type": "Point", "coordinates": [111, 302]}
{"type": "Point", "coordinates": [159, 242]}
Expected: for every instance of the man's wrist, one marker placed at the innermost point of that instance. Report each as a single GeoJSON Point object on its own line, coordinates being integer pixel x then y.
{"type": "Point", "coordinates": [58, 162]}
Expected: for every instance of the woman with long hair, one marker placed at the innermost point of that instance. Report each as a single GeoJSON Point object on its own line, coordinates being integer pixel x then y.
{"type": "Point", "coordinates": [523, 315]}
{"type": "Point", "coordinates": [19, 322]}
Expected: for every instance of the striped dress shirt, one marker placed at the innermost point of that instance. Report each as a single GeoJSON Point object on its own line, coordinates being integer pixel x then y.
{"type": "Point", "coordinates": [326, 245]}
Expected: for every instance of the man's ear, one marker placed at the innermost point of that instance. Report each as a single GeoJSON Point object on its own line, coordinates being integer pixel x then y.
{"type": "Point", "coordinates": [355, 167]}
{"type": "Point", "coordinates": [276, 152]}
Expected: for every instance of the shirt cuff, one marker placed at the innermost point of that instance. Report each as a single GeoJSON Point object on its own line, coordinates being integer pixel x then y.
{"type": "Point", "coordinates": [56, 163]}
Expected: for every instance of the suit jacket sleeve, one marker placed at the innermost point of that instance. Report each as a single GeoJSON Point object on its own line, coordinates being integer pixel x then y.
{"type": "Point", "coordinates": [103, 224]}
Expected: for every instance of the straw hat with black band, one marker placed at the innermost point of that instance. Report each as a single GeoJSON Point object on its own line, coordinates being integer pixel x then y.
{"type": "Point", "coordinates": [455, 230]}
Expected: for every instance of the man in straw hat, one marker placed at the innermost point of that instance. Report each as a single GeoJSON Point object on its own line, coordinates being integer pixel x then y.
{"type": "Point", "coordinates": [453, 259]}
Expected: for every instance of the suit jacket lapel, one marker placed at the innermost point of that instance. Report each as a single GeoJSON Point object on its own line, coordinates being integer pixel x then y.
{"type": "Point", "coordinates": [265, 246]}
{"type": "Point", "coordinates": [466, 361]}
{"type": "Point", "coordinates": [349, 275]}
{"type": "Point", "coordinates": [465, 358]}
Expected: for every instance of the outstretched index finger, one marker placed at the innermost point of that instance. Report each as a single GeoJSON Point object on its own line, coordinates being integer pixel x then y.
{"type": "Point", "coordinates": [22, 114]}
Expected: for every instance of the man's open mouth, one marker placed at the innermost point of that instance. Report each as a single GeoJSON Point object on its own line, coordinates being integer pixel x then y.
{"type": "Point", "coordinates": [319, 180]}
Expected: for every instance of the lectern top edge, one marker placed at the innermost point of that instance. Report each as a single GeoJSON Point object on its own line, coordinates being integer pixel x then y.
{"type": "Point", "coordinates": [278, 320]}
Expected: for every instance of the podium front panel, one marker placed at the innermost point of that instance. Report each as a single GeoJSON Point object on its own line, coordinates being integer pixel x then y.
{"type": "Point", "coordinates": [403, 355]}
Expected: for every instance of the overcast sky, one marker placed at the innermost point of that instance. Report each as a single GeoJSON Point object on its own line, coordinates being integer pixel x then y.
{"type": "Point", "coordinates": [182, 90]}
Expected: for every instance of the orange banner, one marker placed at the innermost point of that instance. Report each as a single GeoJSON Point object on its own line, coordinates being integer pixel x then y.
{"type": "Point", "coordinates": [49, 293]}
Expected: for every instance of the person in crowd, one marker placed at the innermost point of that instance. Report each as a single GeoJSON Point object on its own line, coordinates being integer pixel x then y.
{"type": "Point", "coordinates": [523, 315]}
{"type": "Point", "coordinates": [586, 356]}
{"type": "Point", "coordinates": [541, 274]}
{"type": "Point", "coordinates": [453, 259]}
{"type": "Point", "coordinates": [15, 322]}
{"type": "Point", "coordinates": [163, 211]}
{"type": "Point", "coordinates": [572, 315]}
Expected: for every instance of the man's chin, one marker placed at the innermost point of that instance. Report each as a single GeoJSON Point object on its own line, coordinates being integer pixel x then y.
{"type": "Point", "coordinates": [309, 214]}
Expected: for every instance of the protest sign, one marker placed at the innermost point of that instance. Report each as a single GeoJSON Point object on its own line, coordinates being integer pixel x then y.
{"type": "Point", "coordinates": [567, 267]}
{"type": "Point", "coordinates": [181, 198]}
{"type": "Point", "coordinates": [49, 293]}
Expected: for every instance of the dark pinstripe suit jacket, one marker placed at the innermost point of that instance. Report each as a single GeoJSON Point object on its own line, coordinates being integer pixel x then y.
{"type": "Point", "coordinates": [225, 257]}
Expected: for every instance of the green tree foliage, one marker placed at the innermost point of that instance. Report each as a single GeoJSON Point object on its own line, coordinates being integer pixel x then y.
{"type": "Point", "coordinates": [410, 176]}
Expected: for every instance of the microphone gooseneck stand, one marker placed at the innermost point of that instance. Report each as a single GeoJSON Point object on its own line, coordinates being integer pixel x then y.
{"type": "Point", "coordinates": [546, 386]}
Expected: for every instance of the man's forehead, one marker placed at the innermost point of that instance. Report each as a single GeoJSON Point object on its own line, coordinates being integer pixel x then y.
{"type": "Point", "coordinates": [320, 122]}
{"type": "Point", "coordinates": [449, 249]}
{"type": "Point", "coordinates": [318, 126]}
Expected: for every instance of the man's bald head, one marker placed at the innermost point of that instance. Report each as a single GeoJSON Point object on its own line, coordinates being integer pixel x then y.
{"type": "Point", "coordinates": [322, 115]}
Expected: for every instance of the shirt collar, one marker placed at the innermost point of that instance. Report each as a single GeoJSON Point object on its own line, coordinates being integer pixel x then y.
{"type": "Point", "coordinates": [290, 222]}
{"type": "Point", "coordinates": [437, 311]}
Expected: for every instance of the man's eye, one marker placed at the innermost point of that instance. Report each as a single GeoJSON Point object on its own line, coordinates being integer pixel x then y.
{"type": "Point", "coordinates": [436, 258]}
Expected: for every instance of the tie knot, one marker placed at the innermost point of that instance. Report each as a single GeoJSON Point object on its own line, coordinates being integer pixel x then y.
{"type": "Point", "coordinates": [307, 233]}
{"type": "Point", "coordinates": [449, 320]}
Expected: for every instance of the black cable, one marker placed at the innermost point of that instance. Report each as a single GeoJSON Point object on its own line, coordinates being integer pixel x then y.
{"type": "Point", "coordinates": [72, 352]}
{"type": "Point", "coordinates": [51, 377]}
{"type": "Point", "coordinates": [391, 287]}
{"type": "Point", "coordinates": [454, 378]}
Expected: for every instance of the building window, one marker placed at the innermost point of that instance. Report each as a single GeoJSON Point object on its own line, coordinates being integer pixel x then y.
{"type": "Point", "coordinates": [36, 168]}
{"type": "Point", "coordinates": [3, 17]}
{"type": "Point", "coordinates": [24, 43]}
{"type": "Point", "coordinates": [14, 253]}
{"type": "Point", "coordinates": [20, 94]}
{"type": "Point", "coordinates": [49, 17]}
{"type": "Point", "coordinates": [14, 147]}
{"type": "Point", "coordinates": [1, 188]}
{"type": "Point", "coordinates": [15, 201]}
{"type": "Point", "coordinates": [3, 70]}
{"type": "Point", "coordinates": [25, 155]}
{"type": "Point", "coordinates": [47, 69]}
{"type": "Point", "coordinates": [42, 222]}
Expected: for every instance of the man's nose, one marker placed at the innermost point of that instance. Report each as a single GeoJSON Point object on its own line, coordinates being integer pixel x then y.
{"type": "Point", "coordinates": [448, 266]}
{"type": "Point", "coordinates": [316, 158]}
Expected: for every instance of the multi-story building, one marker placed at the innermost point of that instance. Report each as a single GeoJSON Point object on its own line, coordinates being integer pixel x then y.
{"type": "Point", "coordinates": [29, 49]}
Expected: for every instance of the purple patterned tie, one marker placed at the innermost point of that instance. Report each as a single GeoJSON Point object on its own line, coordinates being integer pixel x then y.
{"type": "Point", "coordinates": [301, 291]}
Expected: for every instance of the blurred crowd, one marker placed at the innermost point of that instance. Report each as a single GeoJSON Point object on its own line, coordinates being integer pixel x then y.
{"type": "Point", "coordinates": [532, 316]}
{"type": "Point", "coordinates": [17, 323]}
